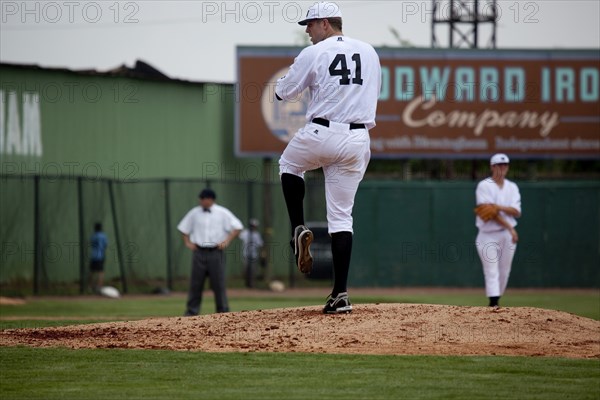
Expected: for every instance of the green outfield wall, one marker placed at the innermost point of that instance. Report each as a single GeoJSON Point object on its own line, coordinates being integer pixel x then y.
{"type": "Point", "coordinates": [423, 234]}
{"type": "Point", "coordinates": [407, 234]}
{"type": "Point", "coordinates": [133, 153]}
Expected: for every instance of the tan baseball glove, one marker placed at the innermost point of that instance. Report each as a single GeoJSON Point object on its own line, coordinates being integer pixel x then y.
{"type": "Point", "coordinates": [486, 211]}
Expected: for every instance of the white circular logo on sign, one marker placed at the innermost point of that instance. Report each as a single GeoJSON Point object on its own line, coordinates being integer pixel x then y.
{"type": "Point", "coordinates": [283, 118]}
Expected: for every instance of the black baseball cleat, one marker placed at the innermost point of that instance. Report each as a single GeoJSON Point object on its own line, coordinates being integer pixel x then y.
{"type": "Point", "coordinates": [338, 304]}
{"type": "Point", "coordinates": [303, 237]}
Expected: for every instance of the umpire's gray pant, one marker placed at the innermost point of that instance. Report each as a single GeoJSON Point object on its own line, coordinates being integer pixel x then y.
{"type": "Point", "coordinates": [209, 262]}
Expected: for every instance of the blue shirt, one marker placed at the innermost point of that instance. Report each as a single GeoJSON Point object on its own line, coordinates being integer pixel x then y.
{"type": "Point", "coordinates": [99, 243]}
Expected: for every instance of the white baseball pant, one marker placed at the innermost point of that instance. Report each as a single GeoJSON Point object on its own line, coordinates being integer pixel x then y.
{"type": "Point", "coordinates": [496, 251]}
{"type": "Point", "coordinates": [342, 153]}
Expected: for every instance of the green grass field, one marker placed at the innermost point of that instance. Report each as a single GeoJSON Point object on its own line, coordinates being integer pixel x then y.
{"type": "Point", "coordinates": [33, 373]}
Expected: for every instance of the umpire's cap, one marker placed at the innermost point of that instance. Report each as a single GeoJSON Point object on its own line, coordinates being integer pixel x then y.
{"type": "Point", "coordinates": [207, 194]}
{"type": "Point", "coordinates": [321, 10]}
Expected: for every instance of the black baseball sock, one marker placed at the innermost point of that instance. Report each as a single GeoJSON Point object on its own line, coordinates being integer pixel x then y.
{"type": "Point", "coordinates": [293, 192]}
{"type": "Point", "coordinates": [494, 301]}
{"type": "Point", "coordinates": [341, 250]}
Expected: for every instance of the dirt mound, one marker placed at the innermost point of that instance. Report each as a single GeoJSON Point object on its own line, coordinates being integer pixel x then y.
{"type": "Point", "coordinates": [370, 329]}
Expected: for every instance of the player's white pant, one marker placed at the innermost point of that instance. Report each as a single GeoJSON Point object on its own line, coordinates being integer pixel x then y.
{"type": "Point", "coordinates": [342, 153]}
{"type": "Point", "coordinates": [496, 251]}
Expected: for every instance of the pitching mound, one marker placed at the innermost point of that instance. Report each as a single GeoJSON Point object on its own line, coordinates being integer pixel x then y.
{"type": "Point", "coordinates": [370, 329]}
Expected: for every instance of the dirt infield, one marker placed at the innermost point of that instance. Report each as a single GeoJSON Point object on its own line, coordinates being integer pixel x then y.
{"type": "Point", "coordinates": [9, 301]}
{"type": "Point", "coordinates": [370, 329]}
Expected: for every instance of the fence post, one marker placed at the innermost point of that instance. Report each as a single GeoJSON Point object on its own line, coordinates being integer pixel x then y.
{"type": "Point", "coordinates": [268, 217]}
{"type": "Point", "coordinates": [81, 236]}
{"type": "Point", "coordinates": [168, 234]}
{"type": "Point", "coordinates": [117, 239]}
{"type": "Point", "coordinates": [36, 235]}
{"type": "Point", "coordinates": [250, 262]}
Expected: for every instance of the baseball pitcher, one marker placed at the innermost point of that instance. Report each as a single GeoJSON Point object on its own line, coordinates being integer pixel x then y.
{"type": "Point", "coordinates": [343, 77]}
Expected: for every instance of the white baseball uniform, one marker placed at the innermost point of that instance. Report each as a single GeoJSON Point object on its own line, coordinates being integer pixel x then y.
{"type": "Point", "coordinates": [494, 242]}
{"type": "Point", "coordinates": [343, 76]}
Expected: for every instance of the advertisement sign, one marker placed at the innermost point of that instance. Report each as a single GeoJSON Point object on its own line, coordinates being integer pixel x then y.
{"type": "Point", "coordinates": [443, 103]}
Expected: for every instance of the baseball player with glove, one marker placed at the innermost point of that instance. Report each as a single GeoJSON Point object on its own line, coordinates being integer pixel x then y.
{"type": "Point", "coordinates": [343, 76]}
{"type": "Point", "coordinates": [498, 205]}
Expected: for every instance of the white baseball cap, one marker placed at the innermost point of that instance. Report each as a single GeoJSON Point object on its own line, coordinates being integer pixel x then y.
{"type": "Point", "coordinates": [322, 10]}
{"type": "Point", "coordinates": [499, 159]}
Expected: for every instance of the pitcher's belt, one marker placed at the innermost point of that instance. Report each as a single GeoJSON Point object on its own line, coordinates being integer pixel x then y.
{"type": "Point", "coordinates": [325, 122]}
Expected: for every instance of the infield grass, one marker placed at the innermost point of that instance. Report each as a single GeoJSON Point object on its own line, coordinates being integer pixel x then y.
{"type": "Point", "coordinates": [28, 373]}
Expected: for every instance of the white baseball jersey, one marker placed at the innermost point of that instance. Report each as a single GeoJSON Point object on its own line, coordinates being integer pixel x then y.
{"type": "Point", "coordinates": [343, 76]}
{"type": "Point", "coordinates": [208, 229]}
{"type": "Point", "coordinates": [494, 243]}
{"type": "Point", "coordinates": [488, 192]}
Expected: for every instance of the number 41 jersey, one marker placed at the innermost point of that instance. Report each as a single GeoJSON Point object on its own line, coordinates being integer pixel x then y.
{"type": "Point", "coordinates": [343, 76]}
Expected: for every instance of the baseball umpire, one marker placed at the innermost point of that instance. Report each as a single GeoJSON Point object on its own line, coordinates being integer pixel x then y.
{"type": "Point", "coordinates": [498, 205]}
{"type": "Point", "coordinates": [343, 77]}
{"type": "Point", "coordinates": [207, 230]}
